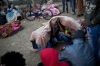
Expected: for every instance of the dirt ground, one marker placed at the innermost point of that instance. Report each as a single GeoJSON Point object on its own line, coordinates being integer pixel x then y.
{"type": "Point", "coordinates": [20, 41]}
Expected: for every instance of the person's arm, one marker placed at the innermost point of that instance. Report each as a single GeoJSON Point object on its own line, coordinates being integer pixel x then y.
{"type": "Point", "coordinates": [96, 19]}
{"type": "Point", "coordinates": [63, 56]}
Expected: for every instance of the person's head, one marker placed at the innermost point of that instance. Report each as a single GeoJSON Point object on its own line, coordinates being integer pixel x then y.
{"type": "Point", "coordinates": [79, 34]}
{"type": "Point", "coordinates": [49, 56]}
{"type": "Point", "coordinates": [12, 59]}
{"type": "Point", "coordinates": [11, 5]}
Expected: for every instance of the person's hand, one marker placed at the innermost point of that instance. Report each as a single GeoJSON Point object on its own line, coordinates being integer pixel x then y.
{"type": "Point", "coordinates": [68, 35]}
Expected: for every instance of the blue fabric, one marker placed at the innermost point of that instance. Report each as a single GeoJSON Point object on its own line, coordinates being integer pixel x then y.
{"type": "Point", "coordinates": [72, 2]}
{"type": "Point", "coordinates": [48, 46]}
{"type": "Point", "coordinates": [93, 37]}
{"type": "Point", "coordinates": [65, 3]}
{"type": "Point", "coordinates": [80, 53]}
{"type": "Point", "coordinates": [62, 37]}
{"type": "Point", "coordinates": [10, 14]}
{"type": "Point", "coordinates": [53, 40]}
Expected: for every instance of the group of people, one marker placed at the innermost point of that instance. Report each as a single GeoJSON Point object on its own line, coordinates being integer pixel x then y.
{"type": "Point", "coordinates": [75, 4]}
{"type": "Point", "coordinates": [54, 31]}
{"type": "Point", "coordinates": [77, 52]}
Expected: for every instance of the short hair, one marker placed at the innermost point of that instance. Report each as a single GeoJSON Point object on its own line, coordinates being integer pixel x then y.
{"type": "Point", "coordinates": [9, 6]}
{"type": "Point", "coordinates": [13, 59]}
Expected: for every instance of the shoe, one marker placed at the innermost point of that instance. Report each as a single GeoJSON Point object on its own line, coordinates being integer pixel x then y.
{"type": "Point", "coordinates": [67, 12]}
{"type": "Point", "coordinates": [72, 13]}
{"type": "Point", "coordinates": [34, 50]}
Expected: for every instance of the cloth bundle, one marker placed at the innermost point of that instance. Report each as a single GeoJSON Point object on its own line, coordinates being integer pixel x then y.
{"type": "Point", "coordinates": [6, 29]}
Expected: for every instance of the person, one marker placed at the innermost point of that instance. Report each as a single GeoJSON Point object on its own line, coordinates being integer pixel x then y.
{"type": "Point", "coordinates": [58, 32]}
{"type": "Point", "coordinates": [58, 28]}
{"type": "Point", "coordinates": [79, 53]}
{"type": "Point", "coordinates": [65, 2]}
{"type": "Point", "coordinates": [92, 21]}
{"type": "Point", "coordinates": [12, 59]}
{"type": "Point", "coordinates": [80, 8]}
{"type": "Point", "coordinates": [10, 7]}
{"type": "Point", "coordinates": [12, 13]}
{"type": "Point", "coordinates": [42, 35]}
{"type": "Point", "coordinates": [72, 3]}
{"type": "Point", "coordinates": [40, 38]}
{"type": "Point", "coordinates": [49, 57]}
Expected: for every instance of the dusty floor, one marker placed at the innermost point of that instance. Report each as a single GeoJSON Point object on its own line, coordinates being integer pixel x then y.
{"type": "Point", "coordinates": [20, 41]}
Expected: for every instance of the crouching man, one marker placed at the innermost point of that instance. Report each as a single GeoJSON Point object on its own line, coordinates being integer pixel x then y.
{"type": "Point", "coordinates": [80, 53]}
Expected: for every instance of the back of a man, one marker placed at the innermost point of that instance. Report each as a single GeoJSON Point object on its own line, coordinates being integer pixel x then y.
{"type": "Point", "coordinates": [80, 53]}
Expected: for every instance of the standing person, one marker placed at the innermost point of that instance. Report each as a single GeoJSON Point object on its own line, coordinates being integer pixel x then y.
{"type": "Point", "coordinates": [49, 57]}
{"type": "Point", "coordinates": [65, 3]}
{"type": "Point", "coordinates": [80, 53]}
{"type": "Point", "coordinates": [72, 2]}
{"type": "Point", "coordinates": [92, 21]}
{"type": "Point", "coordinates": [80, 8]}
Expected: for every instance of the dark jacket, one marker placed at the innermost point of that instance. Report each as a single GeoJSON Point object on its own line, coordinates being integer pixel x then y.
{"type": "Point", "coordinates": [92, 12]}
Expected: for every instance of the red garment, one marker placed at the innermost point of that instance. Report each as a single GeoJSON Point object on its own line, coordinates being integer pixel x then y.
{"type": "Point", "coordinates": [49, 57]}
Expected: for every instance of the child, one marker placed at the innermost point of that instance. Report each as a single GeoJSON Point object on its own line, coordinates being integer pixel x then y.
{"type": "Point", "coordinates": [49, 57]}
